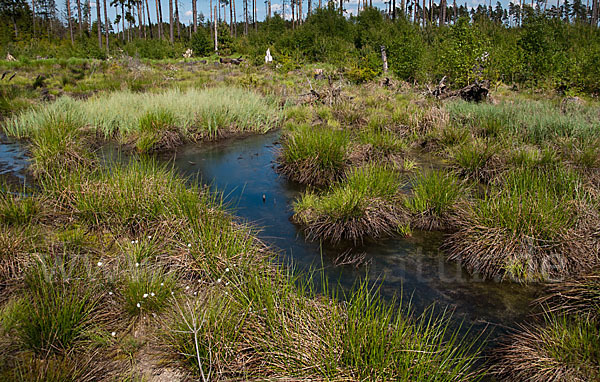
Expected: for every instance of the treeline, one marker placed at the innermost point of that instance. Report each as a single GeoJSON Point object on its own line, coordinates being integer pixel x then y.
{"type": "Point", "coordinates": [534, 44]}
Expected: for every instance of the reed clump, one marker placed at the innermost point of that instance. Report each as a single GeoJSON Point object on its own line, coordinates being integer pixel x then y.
{"type": "Point", "coordinates": [434, 198]}
{"type": "Point", "coordinates": [561, 348]}
{"type": "Point", "coordinates": [538, 225]}
{"type": "Point", "coordinates": [314, 155]}
{"type": "Point", "coordinates": [367, 203]}
{"type": "Point", "coordinates": [563, 344]}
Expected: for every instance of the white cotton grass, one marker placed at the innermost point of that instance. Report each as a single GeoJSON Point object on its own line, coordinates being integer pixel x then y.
{"type": "Point", "coordinates": [145, 295]}
{"type": "Point", "coordinates": [139, 305]}
{"type": "Point", "coordinates": [113, 334]}
{"type": "Point", "coordinates": [99, 263]}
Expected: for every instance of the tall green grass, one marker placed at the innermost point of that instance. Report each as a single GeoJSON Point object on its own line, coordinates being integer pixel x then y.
{"type": "Point", "coordinates": [363, 204]}
{"type": "Point", "coordinates": [533, 202]}
{"type": "Point", "coordinates": [533, 122]}
{"type": "Point", "coordinates": [315, 155]}
{"type": "Point", "coordinates": [534, 227]}
{"type": "Point", "coordinates": [349, 198]}
{"type": "Point", "coordinates": [434, 192]}
{"type": "Point", "coordinates": [292, 334]}
{"type": "Point", "coordinates": [194, 111]}
{"type": "Point", "coordinates": [57, 311]}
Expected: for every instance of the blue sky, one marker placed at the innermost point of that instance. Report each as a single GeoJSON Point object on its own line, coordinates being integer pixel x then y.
{"type": "Point", "coordinates": [204, 5]}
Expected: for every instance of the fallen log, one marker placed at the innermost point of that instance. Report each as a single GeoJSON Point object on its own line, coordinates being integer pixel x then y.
{"type": "Point", "coordinates": [475, 92]}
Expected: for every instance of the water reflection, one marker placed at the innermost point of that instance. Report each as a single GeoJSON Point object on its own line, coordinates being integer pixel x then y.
{"type": "Point", "coordinates": [244, 170]}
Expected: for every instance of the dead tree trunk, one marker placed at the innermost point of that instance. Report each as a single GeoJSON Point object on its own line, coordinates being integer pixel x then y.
{"type": "Point", "coordinates": [69, 16]}
{"type": "Point", "coordinates": [254, 14]}
{"type": "Point", "coordinates": [140, 13]}
{"type": "Point", "coordinates": [384, 60]}
{"type": "Point", "coordinates": [171, 34]}
{"type": "Point", "coordinates": [99, 24]}
{"type": "Point", "coordinates": [106, 27]}
{"type": "Point", "coordinates": [245, 17]}
{"type": "Point", "coordinates": [231, 17]}
{"type": "Point", "coordinates": [195, 16]}
{"type": "Point", "coordinates": [216, 34]}
{"type": "Point", "coordinates": [149, 19]}
{"type": "Point", "coordinates": [158, 19]}
{"type": "Point", "coordinates": [79, 15]}
{"type": "Point", "coordinates": [234, 19]}
{"type": "Point", "coordinates": [123, 19]}
{"type": "Point", "coordinates": [177, 19]}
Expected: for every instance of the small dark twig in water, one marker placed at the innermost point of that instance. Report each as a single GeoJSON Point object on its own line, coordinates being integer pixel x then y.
{"type": "Point", "coordinates": [349, 258]}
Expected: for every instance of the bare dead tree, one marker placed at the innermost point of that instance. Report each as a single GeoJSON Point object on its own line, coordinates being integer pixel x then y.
{"type": "Point", "coordinates": [171, 37]}
{"type": "Point", "coordinates": [99, 24]}
{"type": "Point", "coordinates": [216, 33]}
{"type": "Point", "coordinates": [159, 19]}
{"type": "Point", "coordinates": [234, 19]}
{"type": "Point", "coordinates": [177, 19]}
{"type": "Point", "coordinates": [79, 16]}
{"type": "Point", "coordinates": [230, 17]}
{"type": "Point", "coordinates": [106, 26]}
{"type": "Point", "coordinates": [69, 21]}
{"type": "Point", "coordinates": [246, 17]}
{"type": "Point", "coordinates": [254, 14]}
{"type": "Point", "coordinates": [138, 3]}
{"type": "Point", "coordinates": [149, 19]}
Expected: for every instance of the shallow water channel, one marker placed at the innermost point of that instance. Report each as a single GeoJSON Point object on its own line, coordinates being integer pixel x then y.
{"type": "Point", "coordinates": [414, 267]}
{"type": "Point", "coordinates": [13, 160]}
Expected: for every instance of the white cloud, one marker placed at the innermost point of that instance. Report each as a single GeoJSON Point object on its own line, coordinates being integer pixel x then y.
{"type": "Point", "coordinates": [189, 13]}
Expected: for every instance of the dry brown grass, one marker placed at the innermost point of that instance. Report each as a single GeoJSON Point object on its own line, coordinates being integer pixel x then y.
{"type": "Point", "coordinates": [379, 218]}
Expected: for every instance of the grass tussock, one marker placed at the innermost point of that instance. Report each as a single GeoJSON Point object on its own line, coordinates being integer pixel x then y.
{"type": "Point", "coordinates": [365, 204]}
{"type": "Point", "coordinates": [476, 160]}
{"type": "Point", "coordinates": [434, 199]}
{"type": "Point", "coordinates": [278, 329]}
{"type": "Point", "coordinates": [537, 225]}
{"type": "Point", "coordinates": [580, 296]}
{"type": "Point", "coordinates": [561, 348]}
{"type": "Point", "coordinates": [315, 156]}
